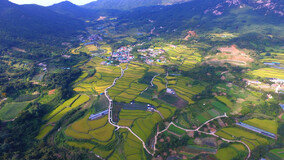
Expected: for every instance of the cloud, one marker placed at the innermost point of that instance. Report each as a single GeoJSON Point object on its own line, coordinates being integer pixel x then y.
{"type": "Point", "coordinates": [49, 2]}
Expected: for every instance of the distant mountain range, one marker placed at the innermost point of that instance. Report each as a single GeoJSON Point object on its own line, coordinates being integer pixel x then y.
{"type": "Point", "coordinates": [69, 9]}
{"type": "Point", "coordinates": [275, 6]}
{"type": "Point", "coordinates": [33, 23]}
{"type": "Point", "coordinates": [129, 4]}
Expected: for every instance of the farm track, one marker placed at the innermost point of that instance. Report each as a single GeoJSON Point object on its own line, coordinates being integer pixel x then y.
{"type": "Point", "coordinates": [197, 130]}
{"type": "Point", "coordinates": [151, 84]}
{"type": "Point", "coordinates": [156, 136]}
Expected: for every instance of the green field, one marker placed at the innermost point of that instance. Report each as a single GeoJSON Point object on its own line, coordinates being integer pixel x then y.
{"type": "Point", "coordinates": [251, 139]}
{"type": "Point", "coordinates": [44, 131]}
{"type": "Point", "coordinates": [276, 154]}
{"type": "Point", "coordinates": [177, 130]}
{"type": "Point", "coordinates": [11, 110]}
{"type": "Point", "coordinates": [230, 152]}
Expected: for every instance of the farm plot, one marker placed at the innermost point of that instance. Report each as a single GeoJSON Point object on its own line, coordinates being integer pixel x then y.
{"type": "Point", "coordinates": [251, 139]}
{"type": "Point", "coordinates": [127, 117]}
{"type": "Point", "coordinates": [102, 79]}
{"type": "Point", "coordinates": [127, 88]}
{"type": "Point", "coordinates": [185, 89]}
{"type": "Point", "coordinates": [166, 111]}
{"type": "Point", "coordinates": [11, 110]}
{"type": "Point", "coordinates": [79, 101]}
{"type": "Point", "coordinates": [268, 73]}
{"type": "Point", "coordinates": [234, 98]}
{"type": "Point", "coordinates": [188, 56]}
{"type": "Point", "coordinates": [98, 131]}
{"type": "Point", "coordinates": [276, 154]}
{"type": "Point", "coordinates": [231, 151]}
{"type": "Point", "coordinates": [44, 131]}
{"type": "Point", "coordinates": [131, 148]}
{"type": "Point", "coordinates": [267, 125]}
{"type": "Point", "coordinates": [176, 130]}
{"type": "Point", "coordinates": [160, 83]}
{"type": "Point", "coordinates": [143, 127]}
{"type": "Point", "coordinates": [60, 111]}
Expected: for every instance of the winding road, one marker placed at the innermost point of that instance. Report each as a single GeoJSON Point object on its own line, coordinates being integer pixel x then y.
{"type": "Point", "coordinates": [171, 123]}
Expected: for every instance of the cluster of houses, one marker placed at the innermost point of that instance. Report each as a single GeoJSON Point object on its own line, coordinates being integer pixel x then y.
{"type": "Point", "coordinates": [152, 55]}
{"type": "Point", "coordinates": [170, 91]}
{"type": "Point", "coordinates": [92, 39]}
{"type": "Point", "coordinates": [123, 55]}
{"type": "Point", "coordinates": [43, 65]}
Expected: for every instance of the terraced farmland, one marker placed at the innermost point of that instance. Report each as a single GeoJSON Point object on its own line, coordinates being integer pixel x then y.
{"type": "Point", "coordinates": [251, 139]}
{"type": "Point", "coordinates": [184, 89]}
{"type": "Point", "coordinates": [127, 88]}
{"type": "Point", "coordinates": [60, 111]}
{"type": "Point", "coordinates": [268, 73]}
{"type": "Point", "coordinates": [96, 132]}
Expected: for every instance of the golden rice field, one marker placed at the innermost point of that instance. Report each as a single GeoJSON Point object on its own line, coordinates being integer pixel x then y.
{"type": "Point", "coordinates": [143, 127]}
{"type": "Point", "coordinates": [251, 139]}
{"type": "Point", "coordinates": [81, 100]}
{"type": "Point", "coordinates": [231, 151]}
{"type": "Point", "coordinates": [145, 100]}
{"type": "Point", "coordinates": [265, 124]}
{"type": "Point", "coordinates": [166, 110]}
{"type": "Point", "coordinates": [268, 73]}
{"type": "Point", "coordinates": [160, 83]}
{"type": "Point", "coordinates": [127, 88]}
{"type": "Point", "coordinates": [61, 107]}
{"type": "Point", "coordinates": [44, 130]}
{"type": "Point", "coordinates": [98, 130]}
{"type": "Point", "coordinates": [60, 111]}
{"type": "Point", "coordinates": [184, 90]}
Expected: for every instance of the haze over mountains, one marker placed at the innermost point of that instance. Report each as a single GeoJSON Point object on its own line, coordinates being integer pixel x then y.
{"type": "Point", "coordinates": [129, 4]}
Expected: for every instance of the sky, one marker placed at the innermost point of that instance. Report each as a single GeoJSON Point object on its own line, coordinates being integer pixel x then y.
{"type": "Point", "coordinates": [50, 2]}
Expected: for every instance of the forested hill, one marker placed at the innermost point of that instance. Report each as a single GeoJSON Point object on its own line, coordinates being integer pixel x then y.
{"type": "Point", "coordinates": [206, 15]}
{"type": "Point", "coordinates": [69, 9]}
{"type": "Point", "coordinates": [33, 23]}
{"type": "Point", "coordinates": [129, 4]}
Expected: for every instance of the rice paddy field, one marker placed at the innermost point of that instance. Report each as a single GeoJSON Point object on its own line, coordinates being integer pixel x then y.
{"type": "Point", "coordinates": [58, 115]}
{"type": "Point", "coordinates": [143, 127]}
{"type": "Point", "coordinates": [250, 138]}
{"type": "Point", "coordinates": [184, 89]}
{"type": "Point", "coordinates": [267, 125]}
{"type": "Point", "coordinates": [231, 151]}
{"type": "Point", "coordinates": [44, 131]}
{"type": "Point", "coordinates": [268, 73]}
{"type": "Point", "coordinates": [277, 57]}
{"type": "Point", "coordinates": [127, 88]}
{"type": "Point", "coordinates": [276, 154]}
{"type": "Point", "coordinates": [160, 83]}
{"type": "Point", "coordinates": [102, 79]}
{"type": "Point", "coordinates": [60, 111]}
{"type": "Point", "coordinates": [92, 132]}
{"type": "Point", "coordinates": [180, 53]}
{"type": "Point", "coordinates": [131, 148]}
